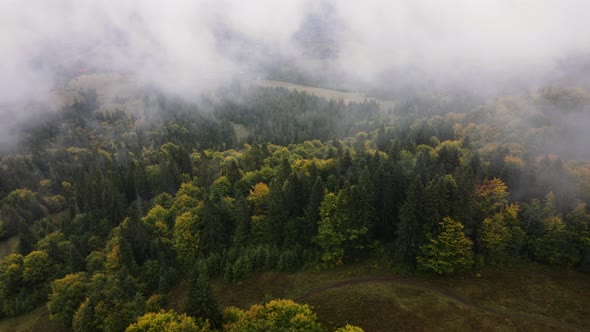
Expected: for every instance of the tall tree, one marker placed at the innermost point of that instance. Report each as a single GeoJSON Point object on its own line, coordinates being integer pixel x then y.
{"type": "Point", "coordinates": [312, 210]}
{"type": "Point", "coordinates": [448, 252]}
{"type": "Point", "coordinates": [410, 235]}
{"type": "Point", "coordinates": [202, 302]}
{"type": "Point", "coordinates": [66, 296]}
{"type": "Point", "coordinates": [167, 322]}
{"type": "Point", "coordinates": [330, 237]}
{"type": "Point", "coordinates": [186, 238]}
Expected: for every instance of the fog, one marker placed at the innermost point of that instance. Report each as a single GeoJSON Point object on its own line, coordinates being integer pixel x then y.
{"type": "Point", "coordinates": [190, 48]}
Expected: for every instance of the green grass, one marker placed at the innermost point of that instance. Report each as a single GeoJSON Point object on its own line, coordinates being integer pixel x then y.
{"type": "Point", "coordinates": [241, 131]}
{"type": "Point", "coordinates": [7, 246]}
{"type": "Point", "coordinates": [530, 288]}
{"type": "Point", "coordinates": [266, 285]}
{"type": "Point", "coordinates": [519, 298]}
{"type": "Point", "coordinates": [522, 297]}
{"type": "Point", "coordinates": [36, 320]}
{"type": "Point", "coordinates": [390, 307]}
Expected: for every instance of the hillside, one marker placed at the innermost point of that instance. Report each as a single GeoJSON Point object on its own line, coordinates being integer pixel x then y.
{"type": "Point", "coordinates": [128, 201]}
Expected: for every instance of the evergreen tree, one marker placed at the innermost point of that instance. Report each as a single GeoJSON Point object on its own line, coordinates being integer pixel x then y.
{"type": "Point", "coordinates": [202, 302]}
{"type": "Point", "coordinates": [312, 211]}
{"type": "Point", "coordinates": [212, 227]}
{"type": "Point", "coordinates": [243, 220]}
{"type": "Point", "coordinates": [410, 235]}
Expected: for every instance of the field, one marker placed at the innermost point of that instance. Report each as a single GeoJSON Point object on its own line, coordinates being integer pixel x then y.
{"type": "Point", "coordinates": [523, 297]}
{"type": "Point", "coordinates": [7, 246]}
{"type": "Point", "coordinates": [36, 320]}
{"type": "Point", "coordinates": [326, 93]}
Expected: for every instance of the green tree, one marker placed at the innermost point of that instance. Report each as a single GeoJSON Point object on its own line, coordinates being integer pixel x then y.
{"type": "Point", "coordinates": [553, 246]}
{"type": "Point", "coordinates": [186, 238]}
{"type": "Point", "coordinates": [169, 321]}
{"type": "Point", "coordinates": [243, 220]}
{"type": "Point", "coordinates": [66, 296]}
{"type": "Point", "coordinates": [221, 187]}
{"type": "Point", "coordinates": [362, 214]}
{"type": "Point", "coordinates": [448, 252]}
{"type": "Point", "coordinates": [213, 225]}
{"type": "Point", "coordinates": [349, 328]}
{"type": "Point", "coordinates": [112, 303]}
{"type": "Point", "coordinates": [202, 302]}
{"type": "Point", "coordinates": [26, 238]}
{"type": "Point", "coordinates": [11, 282]}
{"type": "Point", "coordinates": [95, 261]}
{"type": "Point", "coordinates": [330, 237]}
{"type": "Point", "coordinates": [157, 220]}
{"type": "Point", "coordinates": [276, 315]}
{"type": "Point", "coordinates": [517, 237]}
{"type": "Point", "coordinates": [312, 210]}
{"type": "Point", "coordinates": [119, 254]}
{"type": "Point", "coordinates": [410, 234]}
{"type": "Point", "coordinates": [37, 267]}
{"type": "Point", "coordinates": [578, 226]}
{"type": "Point", "coordinates": [84, 319]}
{"type": "Point", "coordinates": [493, 237]}
{"type": "Point", "coordinates": [26, 204]}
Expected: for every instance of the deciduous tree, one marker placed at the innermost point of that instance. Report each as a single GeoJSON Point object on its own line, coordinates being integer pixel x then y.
{"type": "Point", "coordinates": [449, 251]}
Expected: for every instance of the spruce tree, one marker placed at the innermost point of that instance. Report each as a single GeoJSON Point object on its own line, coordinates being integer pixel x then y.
{"type": "Point", "coordinates": [202, 302]}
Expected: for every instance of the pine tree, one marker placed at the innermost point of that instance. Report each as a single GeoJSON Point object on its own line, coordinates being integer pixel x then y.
{"type": "Point", "coordinates": [212, 227]}
{"type": "Point", "coordinates": [243, 220]}
{"type": "Point", "coordinates": [312, 211]}
{"type": "Point", "coordinates": [277, 214]}
{"type": "Point", "coordinates": [202, 302]}
{"type": "Point", "coordinates": [26, 239]}
{"type": "Point", "coordinates": [409, 232]}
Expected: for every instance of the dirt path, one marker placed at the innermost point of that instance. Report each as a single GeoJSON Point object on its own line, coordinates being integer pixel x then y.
{"type": "Point", "coordinates": [456, 297]}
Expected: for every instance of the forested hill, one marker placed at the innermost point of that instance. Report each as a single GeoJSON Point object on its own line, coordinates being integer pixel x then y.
{"type": "Point", "coordinates": [112, 208]}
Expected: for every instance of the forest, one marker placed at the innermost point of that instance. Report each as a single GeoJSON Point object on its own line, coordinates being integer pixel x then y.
{"type": "Point", "coordinates": [110, 211]}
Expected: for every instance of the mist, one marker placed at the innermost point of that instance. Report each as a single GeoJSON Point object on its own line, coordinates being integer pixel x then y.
{"type": "Point", "coordinates": [190, 48]}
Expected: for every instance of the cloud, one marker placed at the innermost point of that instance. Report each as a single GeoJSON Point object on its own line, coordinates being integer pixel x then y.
{"type": "Point", "coordinates": [191, 47]}
{"type": "Point", "coordinates": [451, 41]}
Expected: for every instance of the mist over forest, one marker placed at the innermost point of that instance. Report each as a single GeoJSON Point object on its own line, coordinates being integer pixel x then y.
{"type": "Point", "coordinates": [294, 165]}
{"type": "Point", "coordinates": [192, 48]}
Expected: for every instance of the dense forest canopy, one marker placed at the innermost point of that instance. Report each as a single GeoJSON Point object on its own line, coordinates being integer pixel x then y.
{"type": "Point", "coordinates": [153, 153]}
{"type": "Point", "coordinates": [112, 208]}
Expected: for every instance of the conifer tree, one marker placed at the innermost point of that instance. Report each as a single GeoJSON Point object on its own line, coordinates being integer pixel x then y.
{"type": "Point", "coordinates": [202, 302]}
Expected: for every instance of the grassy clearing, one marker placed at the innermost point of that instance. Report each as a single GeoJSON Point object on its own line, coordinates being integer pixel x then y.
{"type": "Point", "coordinates": [7, 246]}
{"type": "Point", "coordinates": [268, 285]}
{"type": "Point", "coordinates": [347, 97]}
{"type": "Point", "coordinates": [523, 297]}
{"type": "Point", "coordinates": [390, 307]}
{"type": "Point", "coordinates": [518, 298]}
{"type": "Point", "coordinates": [34, 321]}
{"type": "Point", "coordinates": [241, 131]}
{"type": "Point", "coordinates": [529, 288]}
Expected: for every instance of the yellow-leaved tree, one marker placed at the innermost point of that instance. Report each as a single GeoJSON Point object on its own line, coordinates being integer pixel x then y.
{"type": "Point", "coordinates": [169, 321]}
{"type": "Point", "coordinates": [186, 238]}
{"type": "Point", "coordinates": [276, 315]}
{"type": "Point", "coordinates": [448, 252]}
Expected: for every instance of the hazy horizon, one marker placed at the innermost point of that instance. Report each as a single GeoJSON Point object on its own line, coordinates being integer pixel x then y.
{"type": "Point", "coordinates": [189, 48]}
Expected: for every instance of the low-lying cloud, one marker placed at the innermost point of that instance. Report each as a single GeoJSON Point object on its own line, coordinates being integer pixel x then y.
{"type": "Point", "coordinates": [191, 47]}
